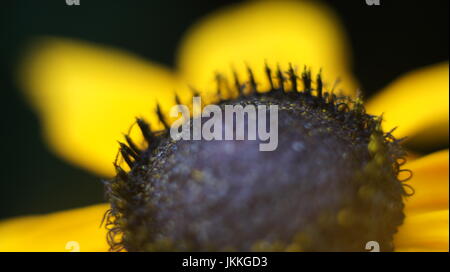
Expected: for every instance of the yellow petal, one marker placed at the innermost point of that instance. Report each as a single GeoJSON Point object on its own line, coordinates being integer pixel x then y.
{"type": "Point", "coordinates": [426, 223]}
{"type": "Point", "coordinates": [430, 182]}
{"type": "Point", "coordinates": [303, 33]}
{"type": "Point", "coordinates": [427, 231]}
{"type": "Point", "coordinates": [73, 230]}
{"type": "Point", "coordinates": [88, 95]}
{"type": "Point", "coordinates": [418, 104]}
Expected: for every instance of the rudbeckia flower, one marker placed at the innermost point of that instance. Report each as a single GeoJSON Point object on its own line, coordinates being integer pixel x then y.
{"type": "Point", "coordinates": [87, 95]}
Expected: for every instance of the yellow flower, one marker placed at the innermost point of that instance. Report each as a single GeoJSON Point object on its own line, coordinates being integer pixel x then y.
{"type": "Point", "coordinates": [87, 95]}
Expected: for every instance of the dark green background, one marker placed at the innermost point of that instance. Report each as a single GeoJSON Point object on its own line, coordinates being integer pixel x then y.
{"type": "Point", "coordinates": [387, 41]}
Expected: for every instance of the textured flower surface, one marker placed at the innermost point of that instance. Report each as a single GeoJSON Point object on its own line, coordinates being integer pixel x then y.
{"type": "Point", "coordinates": [88, 95]}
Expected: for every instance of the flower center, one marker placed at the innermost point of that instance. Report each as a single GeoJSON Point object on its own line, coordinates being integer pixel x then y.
{"type": "Point", "coordinates": [330, 185]}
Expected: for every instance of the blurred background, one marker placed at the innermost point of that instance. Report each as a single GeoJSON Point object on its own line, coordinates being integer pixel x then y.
{"type": "Point", "coordinates": [387, 41]}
